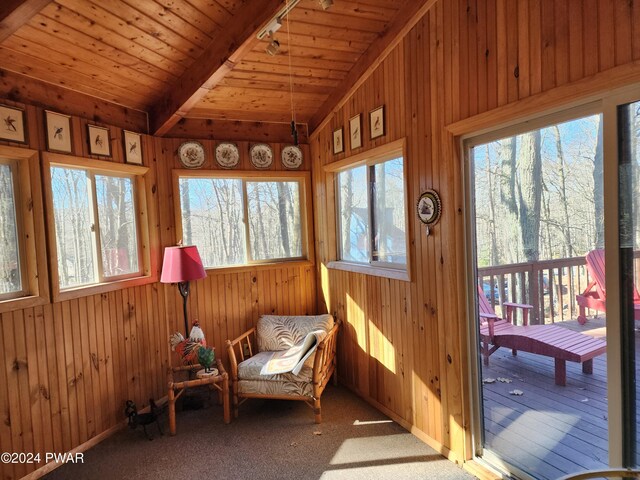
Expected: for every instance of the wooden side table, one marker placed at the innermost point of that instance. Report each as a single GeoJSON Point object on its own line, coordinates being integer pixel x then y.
{"type": "Point", "coordinates": [219, 382]}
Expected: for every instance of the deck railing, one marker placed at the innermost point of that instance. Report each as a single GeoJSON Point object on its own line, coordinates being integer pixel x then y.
{"type": "Point", "coordinates": [549, 285]}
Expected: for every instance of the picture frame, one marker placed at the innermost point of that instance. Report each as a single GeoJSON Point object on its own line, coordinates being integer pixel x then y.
{"type": "Point", "coordinates": [376, 122]}
{"type": "Point", "coordinates": [338, 141]}
{"type": "Point", "coordinates": [99, 141]}
{"type": "Point", "coordinates": [12, 126]}
{"type": "Point", "coordinates": [355, 131]}
{"type": "Point", "coordinates": [58, 128]}
{"type": "Point", "coordinates": [132, 143]}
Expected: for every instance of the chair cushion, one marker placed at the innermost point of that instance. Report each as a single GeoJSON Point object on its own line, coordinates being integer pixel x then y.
{"type": "Point", "coordinates": [275, 388]}
{"type": "Point", "coordinates": [250, 370]}
{"type": "Point", "coordinates": [277, 332]}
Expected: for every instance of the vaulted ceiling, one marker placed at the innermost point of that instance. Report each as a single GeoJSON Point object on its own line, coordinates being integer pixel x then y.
{"type": "Point", "coordinates": [199, 58]}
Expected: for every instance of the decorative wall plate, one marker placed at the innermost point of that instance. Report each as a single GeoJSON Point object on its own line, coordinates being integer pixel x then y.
{"type": "Point", "coordinates": [227, 155]}
{"type": "Point", "coordinates": [429, 208]}
{"type": "Point", "coordinates": [261, 155]}
{"type": "Point", "coordinates": [291, 157]}
{"type": "Point", "coordinates": [191, 154]}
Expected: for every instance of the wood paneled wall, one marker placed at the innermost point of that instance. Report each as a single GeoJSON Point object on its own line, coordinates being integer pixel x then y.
{"type": "Point", "coordinates": [404, 343]}
{"type": "Point", "coordinates": [227, 304]}
{"type": "Point", "coordinates": [68, 367]}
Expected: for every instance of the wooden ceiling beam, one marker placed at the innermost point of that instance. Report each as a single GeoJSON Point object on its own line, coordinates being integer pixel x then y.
{"type": "Point", "coordinates": [15, 13]}
{"type": "Point", "coordinates": [222, 54]}
{"type": "Point", "coordinates": [407, 17]}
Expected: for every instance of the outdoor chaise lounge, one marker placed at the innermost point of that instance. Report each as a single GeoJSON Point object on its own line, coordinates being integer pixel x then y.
{"type": "Point", "coordinates": [553, 341]}
{"type": "Point", "coordinates": [595, 295]}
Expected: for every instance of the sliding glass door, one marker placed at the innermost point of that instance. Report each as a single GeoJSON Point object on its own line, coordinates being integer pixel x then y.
{"type": "Point", "coordinates": [552, 202]}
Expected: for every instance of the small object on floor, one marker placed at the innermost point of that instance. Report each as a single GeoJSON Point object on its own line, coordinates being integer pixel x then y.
{"type": "Point", "coordinates": [504, 380]}
{"type": "Point", "coordinates": [489, 380]}
{"type": "Point", "coordinates": [144, 419]}
{"type": "Point", "coordinates": [518, 393]}
{"type": "Point", "coordinates": [317, 433]}
{"type": "Point", "coordinates": [584, 400]}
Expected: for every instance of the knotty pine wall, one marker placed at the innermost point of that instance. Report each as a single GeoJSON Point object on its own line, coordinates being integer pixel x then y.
{"type": "Point", "coordinates": [403, 347]}
{"type": "Point", "coordinates": [70, 366]}
{"type": "Point", "coordinates": [229, 303]}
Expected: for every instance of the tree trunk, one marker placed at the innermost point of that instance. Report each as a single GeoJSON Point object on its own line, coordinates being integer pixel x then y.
{"type": "Point", "coordinates": [282, 213]}
{"type": "Point", "coordinates": [530, 193]}
{"type": "Point", "coordinates": [598, 189]}
{"type": "Point", "coordinates": [566, 228]}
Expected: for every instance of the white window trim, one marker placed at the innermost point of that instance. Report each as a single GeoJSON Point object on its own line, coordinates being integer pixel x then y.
{"type": "Point", "coordinates": [306, 213]}
{"type": "Point", "coordinates": [369, 158]}
{"type": "Point", "coordinates": [138, 175]}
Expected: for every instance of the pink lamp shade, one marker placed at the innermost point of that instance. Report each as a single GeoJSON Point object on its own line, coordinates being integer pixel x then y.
{"type": "Point", "coordinates": [181, 264]}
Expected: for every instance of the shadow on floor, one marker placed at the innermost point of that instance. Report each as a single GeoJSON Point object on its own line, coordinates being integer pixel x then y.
{"type": "Point", "coordinates": [270, 440]}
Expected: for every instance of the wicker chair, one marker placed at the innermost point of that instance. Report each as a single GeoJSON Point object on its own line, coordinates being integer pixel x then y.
{"type": "Point", "coordinates": [276, 333]}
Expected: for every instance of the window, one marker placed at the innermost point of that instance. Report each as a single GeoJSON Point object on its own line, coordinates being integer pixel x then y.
{"type": "Point", "coordinates": [236, 220]}
{"type": "Point", "coordinates": [23, 264]}
{"type": "Point", "coordinates": [372, 213]}
{"type": "Point", "coordinates": [97, 227]}
{"type": "Point", "coordinates": [11, 269]}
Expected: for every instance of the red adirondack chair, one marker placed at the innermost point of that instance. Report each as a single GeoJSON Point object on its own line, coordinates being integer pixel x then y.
{"type": "Point", "coordinates": [595, 295]}
{"type": "Point", "coordinates": [553, 341]}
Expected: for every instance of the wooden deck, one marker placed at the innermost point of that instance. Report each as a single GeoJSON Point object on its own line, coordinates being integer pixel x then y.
{"type": "Point", "coordinates": [550, 430]}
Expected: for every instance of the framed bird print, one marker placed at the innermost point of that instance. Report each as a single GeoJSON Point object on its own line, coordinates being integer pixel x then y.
{"type": "Point", "coordinates": [132, 147]}
{"type": "Point", "coordinates": [376, 122]}
{"type": "Point", "coordinates": [12, 124]}
{"type": "Point", "coordinates": [58, 129]}
{"type": "Point", "coordinates": [338, 141]}
{"type": "Point", "coordinates": [99, 143]}
{"type": "Point", "coordinates": [355, 132]}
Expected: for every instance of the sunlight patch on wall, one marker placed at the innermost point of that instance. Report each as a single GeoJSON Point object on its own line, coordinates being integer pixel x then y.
{"type": "Point", "coordinates": [354, 317]}
{"type": "Point", "coordinates": [381, 348]}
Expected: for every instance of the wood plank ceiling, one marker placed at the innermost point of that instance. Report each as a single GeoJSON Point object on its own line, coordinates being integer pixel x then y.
{"type": "Point", "coordinates": [134, 53]}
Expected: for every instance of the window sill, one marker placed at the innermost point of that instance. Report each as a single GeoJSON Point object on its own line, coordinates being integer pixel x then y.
{"type": "Point", "coordinates": [259, 266]}
{"type": "Point", "coordinates": [19, 303]}
{"type": "Point", "coordinates": [394, 274]}
{"type": "Point", "coordinates": [96, 289]}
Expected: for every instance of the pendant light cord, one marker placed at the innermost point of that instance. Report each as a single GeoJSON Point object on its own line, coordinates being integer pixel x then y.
{"type": "Point", "coordinates": [294, 130]}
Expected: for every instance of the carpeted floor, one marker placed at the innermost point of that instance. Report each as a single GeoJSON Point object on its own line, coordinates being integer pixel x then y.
{"type": "Point", "coordinates": [270, 440]}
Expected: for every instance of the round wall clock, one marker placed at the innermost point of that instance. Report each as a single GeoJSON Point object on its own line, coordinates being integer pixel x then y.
{"type": "Point", "coordinates": [227, 155]}
{"type": "Point", "coordinates": [291, 157]}
{"type": "Point", "coordinates": [261, 155]}
{"type": "Point", "coordinates": [429, 208]}
{"type": "Point", "coordinates": [191, 154]}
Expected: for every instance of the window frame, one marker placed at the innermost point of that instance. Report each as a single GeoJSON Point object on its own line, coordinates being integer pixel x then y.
{"type": "Point", "coordinates": [306, 213]}
{"type": "Point", "coordinates": [138, 175]}
{"type": "Point", "coordinates": [30, 228]}
{"type": "Point", "coordinates": [370, 158]}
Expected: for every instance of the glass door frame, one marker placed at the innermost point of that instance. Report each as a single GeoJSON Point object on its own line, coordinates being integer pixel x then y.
{"type": "Point", "coordinates": [606, 104]}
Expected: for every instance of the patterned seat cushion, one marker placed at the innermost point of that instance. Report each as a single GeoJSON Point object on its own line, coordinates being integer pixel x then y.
{"type": "Point", "coordinates": [276, 332]}
{"type": "Point", "coordinates": [273, 388]}
{"type": "Point", "coordinates": [250, 370]}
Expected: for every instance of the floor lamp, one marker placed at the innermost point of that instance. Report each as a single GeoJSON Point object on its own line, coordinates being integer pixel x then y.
{"type": "Point", "coordinates": [181, 265]}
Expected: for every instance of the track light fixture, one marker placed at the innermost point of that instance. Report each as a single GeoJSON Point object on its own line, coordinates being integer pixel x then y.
{"type": "Point", "coordinates": [326, 4]}
{"type": "Point", "coordinates": [274, 45]}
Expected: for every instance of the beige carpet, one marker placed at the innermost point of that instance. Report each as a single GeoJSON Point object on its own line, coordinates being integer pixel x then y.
{"type": "Point", "coordinates": [269, 440]}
